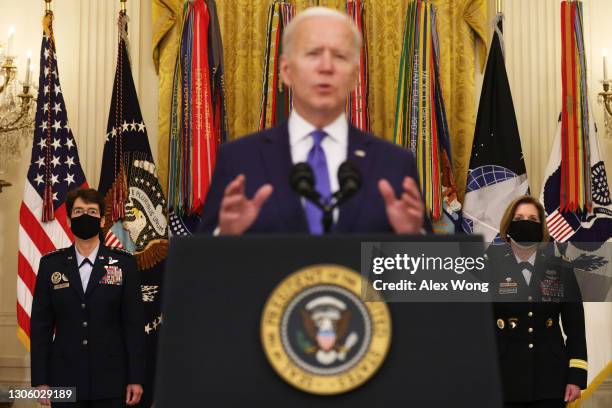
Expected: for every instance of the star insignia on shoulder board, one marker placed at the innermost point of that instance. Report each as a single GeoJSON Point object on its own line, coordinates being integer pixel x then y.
{"type": "Point", "coordinates": [121, 250]}
{"type": "Point", "coordinates": [56, 251]}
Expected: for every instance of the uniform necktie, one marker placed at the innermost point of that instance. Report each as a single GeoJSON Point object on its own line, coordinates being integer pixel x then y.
{"type": "Point", "coordinates": [85, 269]}
{"type": "Point", "coordinates": [526, 274]}
{"type": "Point", "coordinates": [86, 261]}
{"type": "Point", "coordinates": [318, 163]}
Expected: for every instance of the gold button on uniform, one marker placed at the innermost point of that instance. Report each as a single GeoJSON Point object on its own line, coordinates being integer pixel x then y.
{"type": "Point", "coordinates": [530, 345]}
{"type": "Point", "coordinates": [84, 342]}
{"type": "Point", "coordinates": [529, 298]}
{"type": "Point", "coordinates": [530, 314]}
{"type": "Point", "coordinates": [84, 324]}
{"type": "Point", "coordinates": [530, 330]}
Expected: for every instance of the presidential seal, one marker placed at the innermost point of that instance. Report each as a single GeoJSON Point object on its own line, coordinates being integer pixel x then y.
{"type": "Point", "coordinates": [318, 334]}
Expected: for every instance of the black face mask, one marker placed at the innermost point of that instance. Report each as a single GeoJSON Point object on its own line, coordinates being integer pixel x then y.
{"type": "Point", "coordinates": [525, 231]}
{"type": "Point", "coordinates": [85, 226]}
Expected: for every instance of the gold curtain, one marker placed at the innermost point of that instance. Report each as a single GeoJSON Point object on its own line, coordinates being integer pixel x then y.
{"type": "Point", "coordinates": [462, 28]}
{"type": "Point", "coordinates": [166, 25]}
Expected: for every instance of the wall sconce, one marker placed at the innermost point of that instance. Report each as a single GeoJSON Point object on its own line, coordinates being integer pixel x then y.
{"type": "Point", "coordinates": [605, 98]}
{"type": "Point", "coordinates": [17, 107]}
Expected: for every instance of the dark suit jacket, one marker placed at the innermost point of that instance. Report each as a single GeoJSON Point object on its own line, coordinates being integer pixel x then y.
{"type": "Point", "coordinates": [265, 157]}
{"type": "Point", "coordinates": [529, 315]}
{"type": "Point", "coordinates": [99, 339]}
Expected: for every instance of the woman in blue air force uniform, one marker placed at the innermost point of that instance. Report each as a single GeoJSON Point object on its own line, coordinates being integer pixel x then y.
{"type": "Point", "coordinates": [535, 293]}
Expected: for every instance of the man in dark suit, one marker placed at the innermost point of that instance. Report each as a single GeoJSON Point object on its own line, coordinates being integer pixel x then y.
{"type": "Point", "coordinates": [87, 315]}
{"type": "Point", "coordinates": [319, 63]}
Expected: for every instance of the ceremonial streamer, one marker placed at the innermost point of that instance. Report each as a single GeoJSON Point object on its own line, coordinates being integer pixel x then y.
{"type": "Point", "coordinates": [275, 96]}
{"type": "Point", "coordinates": [575, 191]}
{"type": "Point", "coordinates": [198, 123]}
{"type": "Point", "coordinates": [357, 104]}
{"type": "Point", "coordinates": [420, 119]}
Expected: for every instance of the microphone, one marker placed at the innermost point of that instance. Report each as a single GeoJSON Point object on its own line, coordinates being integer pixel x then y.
{"type": "Point", "coordinates": [302, 181]}
{"type": "Point", "coordinates": [349, 180]}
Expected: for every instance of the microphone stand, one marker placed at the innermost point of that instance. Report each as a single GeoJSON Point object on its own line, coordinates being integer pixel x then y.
{"type": "Point", "coordinates": [328, 217]}
{"type": "Point", "coordinates": [328, 213]}
{"type": "Point", "coordinates": [328, 209]}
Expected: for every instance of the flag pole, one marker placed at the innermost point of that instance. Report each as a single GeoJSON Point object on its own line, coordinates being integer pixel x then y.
{"type": "Point", "coordinates": [48, 5]}
{"type": "Point", "coordinates": [499, 6]}
{"type": "Point", "coordinates": [123, 6]}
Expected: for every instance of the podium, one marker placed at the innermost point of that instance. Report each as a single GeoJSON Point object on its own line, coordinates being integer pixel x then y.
{"type": "Point", "coordinates": [211, 351]}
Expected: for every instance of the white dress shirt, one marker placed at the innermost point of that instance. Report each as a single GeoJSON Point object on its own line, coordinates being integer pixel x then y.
{"type": "Point", "coordinates": [526, 272]}
{"type": "Point", "coordinates": [85, 270]}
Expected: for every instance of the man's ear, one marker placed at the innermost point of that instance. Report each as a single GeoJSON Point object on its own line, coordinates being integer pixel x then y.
{"type": "Point", "coordinates": [284, 70]}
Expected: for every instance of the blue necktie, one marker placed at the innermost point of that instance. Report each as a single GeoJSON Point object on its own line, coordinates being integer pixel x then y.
{"type": "Point", "coordinates": [318, 163]}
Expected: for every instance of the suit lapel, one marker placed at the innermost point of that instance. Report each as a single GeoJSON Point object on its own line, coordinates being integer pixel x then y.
{"type": "Point", "coordinates": [360, 154]}
{"type": "Point", "coordinates": [276, 156]}
{"type": "Point", "coordinates": [72, 272]}
{"type": "Point", "coordinates": [98, 270]}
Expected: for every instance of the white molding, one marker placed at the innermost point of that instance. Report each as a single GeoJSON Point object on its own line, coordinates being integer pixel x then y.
{"type": "Point", "coordinates": [15, 370]}
{"type": "Point", "coordinates": [606, 385]}
{"type": "Point", "coordinates": [8, 319]}
{"type": "Point", "coordinates": [14, 362]}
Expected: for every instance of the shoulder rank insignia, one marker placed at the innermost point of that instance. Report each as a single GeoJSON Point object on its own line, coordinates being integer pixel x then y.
{"type": "Point", "coordinates": [121, 250]}
{"type": "Point", "coordinates": [56, 251]}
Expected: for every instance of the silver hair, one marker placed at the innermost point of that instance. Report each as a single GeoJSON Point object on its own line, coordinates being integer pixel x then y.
{"type": "Point", "coordinates": [312, 12]}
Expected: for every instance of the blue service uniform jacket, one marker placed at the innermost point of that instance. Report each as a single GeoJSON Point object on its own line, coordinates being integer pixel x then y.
{"type": "Point", "coordinates": [535, 361]}
{"type": "Point", "coordinates": [92, 340]}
